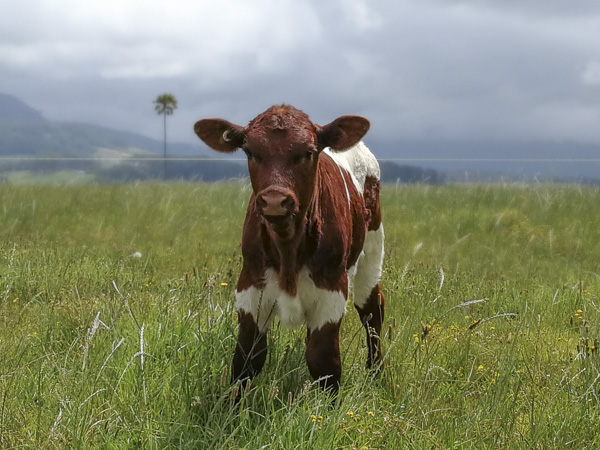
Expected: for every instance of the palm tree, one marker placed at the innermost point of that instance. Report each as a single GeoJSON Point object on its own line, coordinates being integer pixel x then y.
{"type": "Point", "coordinates": [164, 105]}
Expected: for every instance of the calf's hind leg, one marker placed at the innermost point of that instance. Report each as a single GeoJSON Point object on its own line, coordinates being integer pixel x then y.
{"type": "Point", "coordinates": [371, 315]}
{"type": "Point", "coordinates": [368, 298]}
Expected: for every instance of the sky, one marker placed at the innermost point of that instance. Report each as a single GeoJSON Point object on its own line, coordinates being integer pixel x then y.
{"type": "Point", "coordinates": [505, 70]}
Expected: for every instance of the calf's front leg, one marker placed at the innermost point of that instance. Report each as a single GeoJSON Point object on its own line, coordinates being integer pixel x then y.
{"type": "Point", "coordinates": [251, 349]}
{"type": "Point", "coordinates": [323, 356]}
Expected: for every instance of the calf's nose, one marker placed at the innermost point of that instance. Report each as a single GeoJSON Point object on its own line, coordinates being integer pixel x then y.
{"type": "Point", "coordinates": [275, 203]}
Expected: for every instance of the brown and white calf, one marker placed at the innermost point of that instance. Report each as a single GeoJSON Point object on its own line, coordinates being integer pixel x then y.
{"type": "Point", "coordinates": [313, 223]}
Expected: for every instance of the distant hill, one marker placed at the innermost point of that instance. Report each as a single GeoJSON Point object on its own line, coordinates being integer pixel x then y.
{"type": "Point", "coordinates": [489, 160]}
{"type": "Point", "coordinates": [24, 131]}
{"type": "Point", "coordinates": [13, 109]}
{"type": "Point", "coordinates": [80, 139]}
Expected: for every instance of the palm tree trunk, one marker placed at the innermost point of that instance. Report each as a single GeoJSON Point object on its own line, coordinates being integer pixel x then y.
{"type": "Point", "coordinates": [165, 148]}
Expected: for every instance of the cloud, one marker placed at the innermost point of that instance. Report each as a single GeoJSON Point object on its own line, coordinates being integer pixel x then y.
{"type": "Point", "coordinates": [361, 14]}
{"type": "Point", "coordinates": [427, 69]}
{"type": "Point", "coordinates": [120, 39]}
{"type": "Point", "coordinates": [591, 73]}
{"type": "Point", "coordinates": [529, 8]}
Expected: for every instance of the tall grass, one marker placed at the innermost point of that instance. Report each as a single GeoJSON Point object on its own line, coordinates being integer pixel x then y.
{"type": "Point", "coordinates": [117, 324]}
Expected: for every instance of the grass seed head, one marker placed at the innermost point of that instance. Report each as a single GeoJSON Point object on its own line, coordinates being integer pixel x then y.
{"type": "Point", "coordinates": [223, 376]}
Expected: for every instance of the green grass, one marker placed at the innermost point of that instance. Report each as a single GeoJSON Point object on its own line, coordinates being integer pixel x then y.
{"type": "Point", "coordinates": [117, 324]}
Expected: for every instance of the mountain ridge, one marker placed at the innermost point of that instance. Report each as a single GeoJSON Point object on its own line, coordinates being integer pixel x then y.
{"type": "Point", "coordinates": [24, 131]}
{"type": "Point", "coordinates": [12, 108]}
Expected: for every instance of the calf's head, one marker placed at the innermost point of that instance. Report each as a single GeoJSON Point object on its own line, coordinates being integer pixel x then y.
{"type": "Point", "coordinates": [283, 147]}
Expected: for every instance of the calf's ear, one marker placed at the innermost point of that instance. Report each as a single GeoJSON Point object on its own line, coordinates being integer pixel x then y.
{"type": "Point", "coordinates": [220, 135]}
{"type": "Point", "coordinates": [342, 133]}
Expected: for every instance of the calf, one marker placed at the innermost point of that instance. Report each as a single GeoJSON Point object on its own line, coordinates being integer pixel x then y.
{"type": "Point", "coordinates": [313, 223]}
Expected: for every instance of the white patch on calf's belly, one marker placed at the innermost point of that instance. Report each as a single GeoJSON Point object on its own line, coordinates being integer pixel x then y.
{"type": "Point", "coordinates": [352, 270]}
{"type": "Point", "coordinates": [312, 305]}
{"type": "Point", "coordinates": [321, 306]}
{"type": "Point", "coordinates": [369, 267]}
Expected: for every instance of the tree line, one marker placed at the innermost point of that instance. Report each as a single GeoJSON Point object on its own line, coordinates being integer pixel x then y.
{"type": "Point", "coordinates": [142, 169]}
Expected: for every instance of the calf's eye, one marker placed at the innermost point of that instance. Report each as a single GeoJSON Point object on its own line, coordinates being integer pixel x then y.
{"type": "Point", "coordinates": [303, 157]}
{"type": "Point", "coordinates": [251, 156]}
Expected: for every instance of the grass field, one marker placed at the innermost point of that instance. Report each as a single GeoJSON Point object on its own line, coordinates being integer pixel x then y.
{"type": "Point", "coordinates": [117, 324]}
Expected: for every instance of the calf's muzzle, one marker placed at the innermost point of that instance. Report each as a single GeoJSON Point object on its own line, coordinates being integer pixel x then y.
{"type": "Point", "coordinates": [276, 203]}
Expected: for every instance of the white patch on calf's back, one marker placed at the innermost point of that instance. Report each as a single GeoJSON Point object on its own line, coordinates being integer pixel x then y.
{"type": "Point", "coordinates": [359, 162]}
{"type": "Point", "coordinates": [312, 305]}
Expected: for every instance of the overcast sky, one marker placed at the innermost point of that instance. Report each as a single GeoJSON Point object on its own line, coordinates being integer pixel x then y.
{"type": "Point", "coordinates": [418, 69]}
